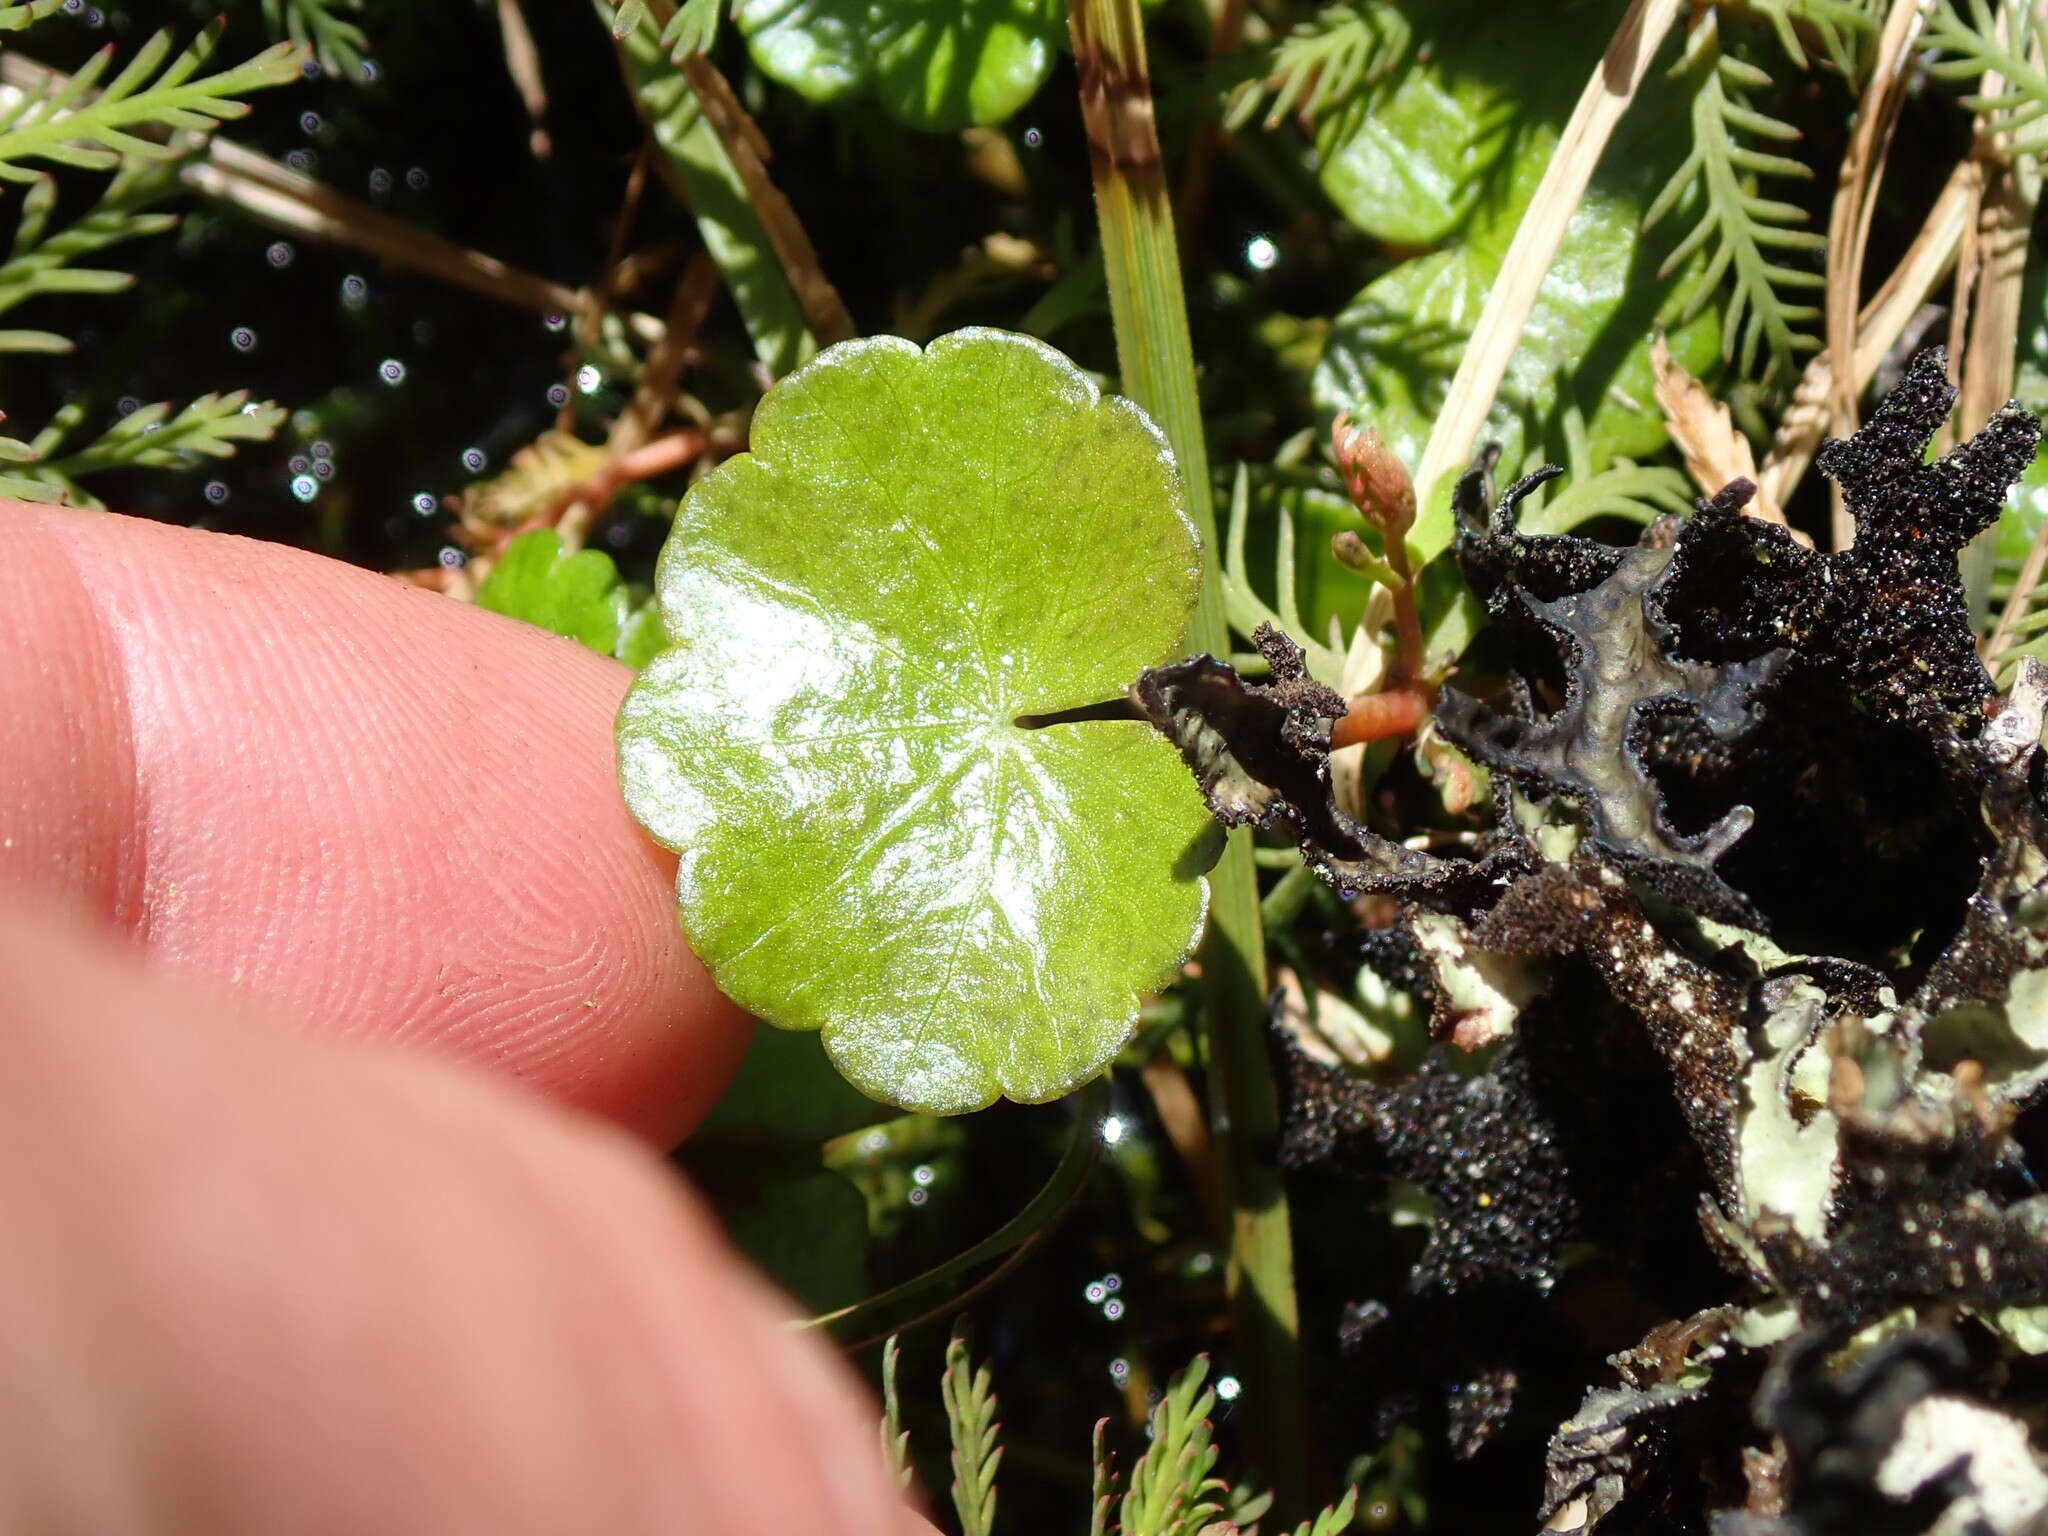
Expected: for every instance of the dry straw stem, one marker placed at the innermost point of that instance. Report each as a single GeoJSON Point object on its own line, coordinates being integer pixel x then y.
{"type": "Point", "coordinates": [1704, 430]}
{"type": "Point", "coordinates": [1883, 320]}
{"type": "Point", "coordinates": [825, 313]}
{"type": "Point", "coordinates": [1180, 1116]}
{"type": "Point", "coordinates": [522, 63]}
{"type": "Point", "coordinates": [1492, 345]}
{"type": "Point", "coordinates": [1854, 205]}
{"type": "Point", "coordinates": [2022, 598]}
{"type": "Point", "coordinates": [2011, 188]}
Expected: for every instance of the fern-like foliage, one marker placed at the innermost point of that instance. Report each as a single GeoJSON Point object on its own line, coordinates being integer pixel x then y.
{"type": "Point", "coordinates": [15, 453]}
{"type": "Point", "coordinates": [895, 1438]}
{"type": "Point", "coordinates": [78, 121]}
{"type": "Point", "coordinates": [322, 26]}
{"type": "Point", "coordinates": [693, 28]}
{"type": "Point", "coordinates": [1626, 489]}
{"type": "Point", "coordinates": [1246, 610]}
{"type": "Point", "coordinates": [1843, 28]}
{"type": "Point", "coordinates": [42, 261]}
{"type": "Point", "coordinates": [1172, 1490]}
{"type": "Point", "coordinates": [971, 1413]}
{"type": "Point", "coordinates": [14, 17]}
{"type": "Point", "coordinates": [1745, 233]}
{"type": "Point", "coordinates": [1102, 1485]}
{"type": "Point", "coordinates": [1325, 66]}
{"type": "Point", "coordinates": [149, 437]}
{"type": "Point", "coordinates": [1333, 1520]}
{"type": "Point", "coordinates": [132, 125]}
{"type": "Point", "coordinates": [1970, 48]}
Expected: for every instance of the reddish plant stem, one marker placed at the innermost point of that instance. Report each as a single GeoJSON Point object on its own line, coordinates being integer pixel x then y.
{"type": "Point", "coordinates": [1378, 716]}
{"type": "Point", "coordinates": [642, 463]}
{"type": "Point", "coordinates": [1409, 665]}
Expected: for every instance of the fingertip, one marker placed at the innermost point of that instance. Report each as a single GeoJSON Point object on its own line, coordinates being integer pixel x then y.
{"type": "Point", "coordinates": [384, 811]}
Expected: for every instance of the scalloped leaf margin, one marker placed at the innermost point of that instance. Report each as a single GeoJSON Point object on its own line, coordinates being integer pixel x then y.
{"type": "Point", "coordinates": [921, 546]}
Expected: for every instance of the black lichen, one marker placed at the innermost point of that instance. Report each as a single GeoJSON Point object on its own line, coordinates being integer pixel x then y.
{"type": "Point", "coordinates": [1888, 615]}
{"type": "Point", "coordinates": [1625, 688]}
{"type": "Point", "coordinates": [1469, 1133]}
{"type": "Point", "coordinates": [1925, 1215]}
{"type": "Point", "coordinates": [1764, 924]}
{"type": "Point", "coordinates": [1261, 754]}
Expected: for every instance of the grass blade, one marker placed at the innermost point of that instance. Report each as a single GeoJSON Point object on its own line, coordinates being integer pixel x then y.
{"type": "Point", "coordinates": [1149, 310]}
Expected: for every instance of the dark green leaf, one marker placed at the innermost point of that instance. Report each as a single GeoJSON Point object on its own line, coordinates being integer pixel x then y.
{"type": "Point", "coordinates": [810, 1235]}
{"type": "Point", "coordinates": [934, 64]}
{"type": "Point", "coordinates": [786, 1089]}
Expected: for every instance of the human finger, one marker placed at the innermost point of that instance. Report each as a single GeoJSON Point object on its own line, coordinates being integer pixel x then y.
{"type": "Point", "coordinates": [260, 1281]}
{"type": "Point", "coordinates": [391, 814]}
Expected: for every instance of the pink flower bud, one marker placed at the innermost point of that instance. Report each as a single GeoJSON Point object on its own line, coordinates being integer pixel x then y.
{"type": "Point", "coordinates": [1377, 479]}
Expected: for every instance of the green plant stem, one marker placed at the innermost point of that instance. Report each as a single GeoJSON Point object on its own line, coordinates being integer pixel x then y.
{"type": "Point", "coordinates": [939, 1289]}
{"type": "Point", "coordinates": [1156, 358]}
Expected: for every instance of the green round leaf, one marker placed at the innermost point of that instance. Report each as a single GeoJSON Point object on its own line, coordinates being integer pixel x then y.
{"type": "Point", "coordinates": [1410, 171]}
{"type": "Point", "coordinates": [921, 546]}
{"type": "Point", "coordinates": [574, 594]}
{"type": "Point", "coordinates": [934, 64]}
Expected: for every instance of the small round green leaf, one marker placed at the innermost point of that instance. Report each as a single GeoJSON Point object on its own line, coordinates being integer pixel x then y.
{"type": "Point", "coordinates": [575, 594]}
{"type": "Point", "coordinates": [934, 64]}
{"type": "Point", "coordinates": [1410, 171]}
{"type": "Point", "coordinates": [921, 547]}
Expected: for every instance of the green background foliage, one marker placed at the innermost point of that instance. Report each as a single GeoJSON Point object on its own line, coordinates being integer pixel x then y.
{"type": "Point", "coordinates": [932, 64]}
{"type": "Point", "coordinates": [1336, 250]}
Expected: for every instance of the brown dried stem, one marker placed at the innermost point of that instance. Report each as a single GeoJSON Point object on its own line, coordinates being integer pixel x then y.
{"type": "Point", "coordinates": [695, 292]}
{"type": "Point", "coordinates": [1612, 86]}
{"type": "Point", "coordinates": [825, 313]}
{"type": "Point", "coordinates": [590, 319]}
{"type": "Point", "coordinates": [1919, 272]}
{"type": "Point", "coordinates": [1854, 205]}
{"type": "Point", "coordinates": [280, 197]}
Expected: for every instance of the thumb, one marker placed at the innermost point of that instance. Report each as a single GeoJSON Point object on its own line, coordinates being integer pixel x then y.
{"type": "Point", "coordinates": [377, 811]}
{"type": "Point", "coordinates": [260, 1281]}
